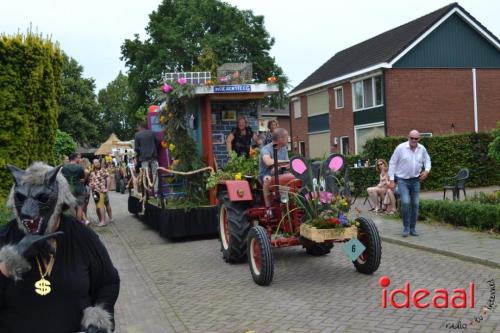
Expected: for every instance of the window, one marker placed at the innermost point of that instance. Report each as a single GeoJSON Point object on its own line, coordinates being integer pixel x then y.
{"type": "Point", "coordinates": [363, 133]}
{"type": "Point", "coordinates": [344, 145]}
{"type": "Point", "coordinates": [302, 148]}
{"type": "Point", "coordinates": [296, 109]}
{"type": "Point", "coordinates": [339, 98]}
{"type": "Point", "coordinates": [367, 93]}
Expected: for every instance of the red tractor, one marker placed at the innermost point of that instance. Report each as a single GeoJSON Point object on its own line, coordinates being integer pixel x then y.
{"type": "Point", "coordinates": [248, 230]}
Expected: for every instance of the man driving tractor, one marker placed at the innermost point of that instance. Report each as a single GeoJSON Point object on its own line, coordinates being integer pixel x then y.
{"type": "Point", "coordinates": [266, 161]}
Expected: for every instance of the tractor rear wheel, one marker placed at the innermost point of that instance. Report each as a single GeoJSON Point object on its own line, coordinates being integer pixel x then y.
{"type": "Point", "coordinates": [261, 260]}
{"type": "Point", "coordinates": [369, 260]}
{"type": "Point", "coordinates": [318, 249]}
{"type": "Point", "coordinates": [233, 229]}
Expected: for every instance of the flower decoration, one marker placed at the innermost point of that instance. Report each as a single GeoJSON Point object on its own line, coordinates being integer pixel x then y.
{"type": "Point", "coordinates": [162, 119]}
{"type": "Point", "coordinates": [182, 80]}
{"type": "Point", "coordinates": [237, 176]}
{"type": "Point", "coordinates": [223, 80]}
{"type": "Point", "coordinates": [209, 83]}
{"type": "Point", "coordinates": [166, 88]}
{"type": "Point", "coordinates": [272, 79]}
{"type": "Point", "coordinates": [171, 147]}
{"type": "Point", "coordinates": [170, 115]}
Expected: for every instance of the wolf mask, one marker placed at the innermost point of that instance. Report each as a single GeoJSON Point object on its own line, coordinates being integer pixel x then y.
{"type": "Point", "coordinates": [38, 197]}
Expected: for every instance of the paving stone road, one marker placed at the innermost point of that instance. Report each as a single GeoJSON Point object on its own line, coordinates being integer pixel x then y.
{"type": "Point", "coordinates": [185, 286]}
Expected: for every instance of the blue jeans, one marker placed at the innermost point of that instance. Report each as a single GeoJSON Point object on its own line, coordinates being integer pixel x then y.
{"type": "Point", "coordinates": [409, 190]}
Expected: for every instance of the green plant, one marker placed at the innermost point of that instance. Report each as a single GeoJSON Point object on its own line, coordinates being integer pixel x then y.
{"type": "Point", "coordinates": [449, 154]}
{"type": "Point", "coordinates": [5, 213]}
{"type": "Point", "coordinates": [463, 213]}
{"type": "Point", "coordinates": [64, 145]}
{"type": "Point", "coordinates": [494, 146]}
{"type": "Point", "coordinates": [486, 198]}
{"type": "Point", "coordinates": [236, 168]}
{"type": "Point", "coordinates": [30, 90]}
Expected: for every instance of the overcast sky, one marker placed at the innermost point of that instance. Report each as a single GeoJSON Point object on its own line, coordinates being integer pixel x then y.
{"type": "Point", "coordinates": [307, 33]}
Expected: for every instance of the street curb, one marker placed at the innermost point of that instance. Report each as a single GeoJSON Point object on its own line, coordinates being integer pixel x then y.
{"type": "Point", "coordinates": [468, 258]}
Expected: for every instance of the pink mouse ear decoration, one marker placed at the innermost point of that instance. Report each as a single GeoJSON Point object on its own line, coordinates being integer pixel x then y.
{"type": "Point", "coordinates": [336, 163]}
{"type": "Point", "coordinates": [299, 166]}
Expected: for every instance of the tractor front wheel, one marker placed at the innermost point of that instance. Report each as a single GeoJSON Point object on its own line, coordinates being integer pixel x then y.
{"type": "Point", "coordinates": [261, 260]}
{"type": "Point", "coordinates": [369, 260]}
{"type": "Point", "coordinates": [233, 229]}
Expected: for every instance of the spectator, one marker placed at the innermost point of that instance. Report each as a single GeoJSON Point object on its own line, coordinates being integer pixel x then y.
{"type": "Point", "coordinates": [240, 138]}
{"type": "Point", "coordinates": [99, 181]}
{"type": "Point", "coordinates": [271, 125]}
{"type": "Point", "coordinates": [378, 193]}
{"type": "Point", "coordinates": [87, 167]}
{"type": "Point", "coordinates": [146, 146]}
{"type": "Point", "coordinates": [266, 162]}
{"type": "Point", "coordinates": [405, 169]}
{"type": "Point", "coordinates": [75, 175]}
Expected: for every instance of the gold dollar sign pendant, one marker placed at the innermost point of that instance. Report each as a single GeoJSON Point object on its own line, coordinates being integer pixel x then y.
{"type": "Point", "coordinates": [42, 287]}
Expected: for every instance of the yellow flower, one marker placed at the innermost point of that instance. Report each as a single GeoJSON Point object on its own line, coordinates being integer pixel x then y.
{"type": "Point", "coordinates": [171, 147]}
{"type": "Point", "coordinates": [237, 176]}
{"type": "Point", "coordinates": [170, 115]}
{"type": "Point", "coordinates": [162, 119]}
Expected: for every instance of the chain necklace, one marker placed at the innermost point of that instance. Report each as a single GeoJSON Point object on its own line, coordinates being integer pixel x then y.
{"type": "Point", "coordinates": [42, 286]}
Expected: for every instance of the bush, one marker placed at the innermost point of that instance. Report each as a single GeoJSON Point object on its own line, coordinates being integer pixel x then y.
{"type": "Point", "coordinates": [486, 198]}
{"type": "Point", "coordinates": [463, 213]}
{"type": "Point", "coordinates": [5, 213]}
{"type": "Point", "coordinates": [494, 146]}
{"type": "Point", "coordinates": [30, 88]}
{"type": "Point", "coordinates": [64, 145]}
{"type": "Point", "coordinates": [449, 154]}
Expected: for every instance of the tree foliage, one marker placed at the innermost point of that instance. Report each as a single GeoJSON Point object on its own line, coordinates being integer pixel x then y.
{"type": "Point", "coordinates": [184, 35]}
{"type": "Point", "coordinates": [30, 89]}
{"type": "Point", "coordinates": [79, 112]}
{"type": "Point", "coordinates": [64, 145]}
{"type": "Point", "coordinates": [115, 113]}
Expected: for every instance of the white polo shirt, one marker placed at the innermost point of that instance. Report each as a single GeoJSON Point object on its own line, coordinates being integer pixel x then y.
{"type": "Point", "coordinates": [406, 163]}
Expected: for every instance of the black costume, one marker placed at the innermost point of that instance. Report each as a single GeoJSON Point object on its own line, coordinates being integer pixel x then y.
{"type": "Point", "coordinates": [241, 143]}
{"type": "Point", "coordinates": [146, 145]}
{"type": "Point", "coordinates": [82, 276]}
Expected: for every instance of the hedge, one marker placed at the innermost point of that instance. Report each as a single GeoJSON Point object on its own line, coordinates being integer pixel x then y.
{"type": "Point", "coordinates": [448, 154]}
{"type": "Point", "coordinates": [463, 213]}
{"type": "Point", "coordinates": [30, 88]}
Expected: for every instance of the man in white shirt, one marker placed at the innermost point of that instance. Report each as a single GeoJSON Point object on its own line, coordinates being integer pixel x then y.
{"type": "Point", "coordinates": [405, 169]}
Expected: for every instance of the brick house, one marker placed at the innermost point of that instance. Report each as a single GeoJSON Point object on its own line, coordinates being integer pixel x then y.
{"type": "Point", "coordinates": [439, 74]}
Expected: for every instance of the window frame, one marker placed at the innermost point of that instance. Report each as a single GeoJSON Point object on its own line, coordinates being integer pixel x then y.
{"type": "Point", "coordinates": [295, 110]}
{"type": "Point", "coordinates": [341, 88]}
{"type": "Point", "coordinates": [341, 145]}
{"type": "Point", "coordinates": [364, 126]}
{"type": "Point", "coordinates": [373, 92]}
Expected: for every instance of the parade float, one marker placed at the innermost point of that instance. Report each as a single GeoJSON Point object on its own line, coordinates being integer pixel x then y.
{"type": "Point", "coordinates": [192, 119]}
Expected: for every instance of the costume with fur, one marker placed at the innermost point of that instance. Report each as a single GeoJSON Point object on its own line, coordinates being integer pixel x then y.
{"type": "Point", "coordinates": [84, 282]}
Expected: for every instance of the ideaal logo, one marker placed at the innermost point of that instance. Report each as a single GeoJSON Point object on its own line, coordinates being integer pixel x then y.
{"type": "Point", "coordinates": [440, 298]}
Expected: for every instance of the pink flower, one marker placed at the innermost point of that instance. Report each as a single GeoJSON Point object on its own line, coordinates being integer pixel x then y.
{"type": "Point", "coordinates": [223, 79]}
{"type": "Point", "coordinates": [182, 81]}
{"type": "Point", "coordinates": [325, 197]}
{"type": "Point", "coordinates": [166, 88]}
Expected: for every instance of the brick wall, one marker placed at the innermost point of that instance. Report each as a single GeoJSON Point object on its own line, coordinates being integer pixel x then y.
{"type": "Point", "coordinates": [249, 110]}
{"type": "Point", "coordinates": [299, 126]}
{"type": "Point", "coordinates": [431, 100]}
{"type": "Point", "coordinates": [488, 98]}
{"type": "Point", "coordinates": [341, 120]}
